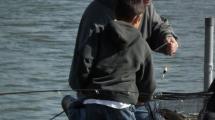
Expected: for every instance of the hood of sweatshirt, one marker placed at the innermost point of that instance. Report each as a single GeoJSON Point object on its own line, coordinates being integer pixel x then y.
{"type": "Point", "coordinates": [122, 34]}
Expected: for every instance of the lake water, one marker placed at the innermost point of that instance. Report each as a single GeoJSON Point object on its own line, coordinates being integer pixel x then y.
{"type": "Point", "coordinates": [37, 39]}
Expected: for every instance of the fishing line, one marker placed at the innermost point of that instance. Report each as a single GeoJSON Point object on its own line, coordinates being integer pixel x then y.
{"type": "Point", "coordinates": [158, 95]}
{"type": "Point", "coordinates": [163, 45]}
{"type": "Point", "coordinates": [165, 68]}
{"type": "Point", "coordinates": [30, 92]}
{"type": "Point", "coordinates": [57, 115]}
{"type": "Point", "coordinates": [48, 91]}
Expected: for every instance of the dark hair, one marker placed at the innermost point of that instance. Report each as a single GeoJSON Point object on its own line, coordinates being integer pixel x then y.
{"type": "Point", "coordinates": [126, 10]}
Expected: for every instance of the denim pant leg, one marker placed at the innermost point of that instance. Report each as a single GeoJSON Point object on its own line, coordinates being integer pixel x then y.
{"type": "Point", "coordinates": [101, 112]}
{"type": "Point", "coordinates": [77, 114]}
{"type": "Point", "coordinates": [148, 111]}
{"type": "Point", "coordinates": [73, 109]}
{"type": "Point", "coordinates": [128, 113]}
{"type": "Point", "coordinates": [141, 112]}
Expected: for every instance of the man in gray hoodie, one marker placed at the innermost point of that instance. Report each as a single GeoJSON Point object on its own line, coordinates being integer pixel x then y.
{"type": "Point", "coordinates": [155, 30]}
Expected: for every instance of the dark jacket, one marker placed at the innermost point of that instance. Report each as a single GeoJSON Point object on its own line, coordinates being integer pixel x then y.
{"type": "Point", "coordinates": [154, 28]}
{"type": "Point", "coordinates": [100, 12]}
{"type": "Point", "coordinates": [117, 62]}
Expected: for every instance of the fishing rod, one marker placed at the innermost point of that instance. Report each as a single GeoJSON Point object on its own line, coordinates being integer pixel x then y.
{"type": "Point", "coordinates": [161, 46]}
{"type": "Point", "coordinates": [30, 92]}
{"type": "Point", "coordinates": [66, 90]}
{"type": "Point", "coordinates": [57, 115]}
{"type": "Point", "coordinates": [158, 95]}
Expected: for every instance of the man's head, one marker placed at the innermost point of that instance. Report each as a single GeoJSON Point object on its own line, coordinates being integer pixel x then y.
{"type": "Point", "coordinates": [126, 10]}
{"type": "Point", "coordinates": [130, 11]}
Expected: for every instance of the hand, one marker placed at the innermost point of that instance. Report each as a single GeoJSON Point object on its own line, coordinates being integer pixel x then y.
{"type": "Point", "coordinates": [172, 45]}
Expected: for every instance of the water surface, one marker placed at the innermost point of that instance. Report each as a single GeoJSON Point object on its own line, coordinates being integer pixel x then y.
{"type": "Point", "coordinates": [37, 39]}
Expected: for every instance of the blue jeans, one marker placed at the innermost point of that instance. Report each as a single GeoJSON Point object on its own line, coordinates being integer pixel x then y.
{"type": "Point", "coordinates": [77, 111]}
{"type": "Point", "coordinates": [148, 111]}
{"type": "Point", "coordinates": [101, 112]}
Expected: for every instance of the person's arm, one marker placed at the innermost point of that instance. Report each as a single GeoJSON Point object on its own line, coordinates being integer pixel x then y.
{"type": "Point", "coordinates": [161, 37]}
{"type": "Point", "coordinates": [82, 64]}
{"type": "Point", "coordinates": [146, 83]}
{"type": "Point", "coordinates": [95, 14]}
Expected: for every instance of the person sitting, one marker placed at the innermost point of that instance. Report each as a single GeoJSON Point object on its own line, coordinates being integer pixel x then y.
{"type": "Point", "coordinates": [115, 67]}
{"type": "Point", "coordinates": [156, 30]}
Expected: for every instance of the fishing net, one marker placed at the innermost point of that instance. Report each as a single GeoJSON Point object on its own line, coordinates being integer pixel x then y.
{"type": "Point", "coordinates": [187, 105]}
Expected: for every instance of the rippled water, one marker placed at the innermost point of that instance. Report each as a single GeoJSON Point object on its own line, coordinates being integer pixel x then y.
{"type": "Point", "coordinates": [37, 39]}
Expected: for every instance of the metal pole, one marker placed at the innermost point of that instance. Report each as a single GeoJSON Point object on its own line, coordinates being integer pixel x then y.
{"type": "Point", "coordinates": [208, 60]}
